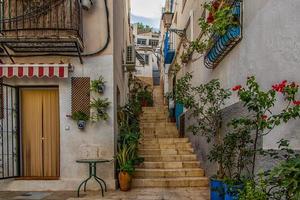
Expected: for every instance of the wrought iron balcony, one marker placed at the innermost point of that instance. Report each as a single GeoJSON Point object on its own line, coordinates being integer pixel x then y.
{"type": "Point", "coordinates": [31, 26]}
{"type": "Point", "coordinates": [169, 47]}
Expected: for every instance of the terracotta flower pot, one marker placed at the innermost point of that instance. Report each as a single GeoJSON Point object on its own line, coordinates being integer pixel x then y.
{"type": "Point", "coordinates": [125, 181]}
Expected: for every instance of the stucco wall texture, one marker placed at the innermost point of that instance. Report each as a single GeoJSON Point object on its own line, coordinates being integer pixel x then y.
{"type": "Point", "coordinates": [269, 50]}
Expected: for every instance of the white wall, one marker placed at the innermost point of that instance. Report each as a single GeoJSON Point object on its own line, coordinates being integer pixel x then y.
{"type": "Point", "coordinates": [269, 50]}
{"type": "Point", "coordinates": [98, 140]}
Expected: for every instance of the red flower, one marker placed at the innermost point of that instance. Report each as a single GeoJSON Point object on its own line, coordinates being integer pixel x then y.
{"type": "Point", "coordinates": [237, 87]}
{"type": "Point", "coordinates": [297, 103]}
{"type": "Point", "coordinates": [210, 18]}
{"type": "Point", "coordinates": [264, 117]}
{"type": "Point", "coordinates": [280, 87]}
{"type": "Point", "coordinates": [216, 5]}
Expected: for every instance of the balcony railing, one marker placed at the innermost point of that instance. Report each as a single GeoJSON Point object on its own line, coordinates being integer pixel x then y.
{"type": "Point", "coordinates": [29, 26]}
{"type": "Point", "coordinates": [169, 47]}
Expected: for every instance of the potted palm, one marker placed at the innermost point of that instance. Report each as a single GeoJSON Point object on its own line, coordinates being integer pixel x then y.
{"type": "Point", "coordinates": [101, 106]}
{"type": "Point", "coordinates": [125, 158]}
{"type": "Point", "coordinates": [81, 119]}
{"type": "Point", "coordinates": [98, 85]}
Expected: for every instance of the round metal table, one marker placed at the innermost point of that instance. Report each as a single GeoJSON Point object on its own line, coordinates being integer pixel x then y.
{"type": "Point", "coordinates": [92, 173]}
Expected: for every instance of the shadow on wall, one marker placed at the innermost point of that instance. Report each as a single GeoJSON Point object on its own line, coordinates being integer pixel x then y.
{"type": "Point", "coordinates": [202, 147]}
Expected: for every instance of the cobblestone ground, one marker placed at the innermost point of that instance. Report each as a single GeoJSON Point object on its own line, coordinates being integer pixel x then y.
{"type": "Point", "coordinates": [135, 194]}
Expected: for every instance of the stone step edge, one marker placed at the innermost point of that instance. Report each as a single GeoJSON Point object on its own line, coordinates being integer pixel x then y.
{"type": "Point", "coordinates": [168, 170]}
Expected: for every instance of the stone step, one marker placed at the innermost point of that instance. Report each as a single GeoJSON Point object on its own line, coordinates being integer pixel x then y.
{"type": "Point", "coordinates": [181, 145]}
{"type": "Point", "coordinates": [148, 130]}
{"type": "Point", "coordinates": [157, 124]}
{"type": "Point", "coordinates": [143, 152]}
{"type": "Point", "coordinates": [168, 173]}
{"type": "Point", "coordinates": [151, 141]}
{"type": "Point", "coordinates": [171, 182]}
{"type": "Point", "coordinates": [171, 158]}
{"type": "Point", "coordinates": [170, 165]}
{"type": "Point", "coordinates": [160, 136]}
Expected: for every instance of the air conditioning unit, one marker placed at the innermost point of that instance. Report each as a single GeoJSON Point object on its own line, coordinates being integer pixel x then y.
{"type": "Point", "coordinates": [130, 60]}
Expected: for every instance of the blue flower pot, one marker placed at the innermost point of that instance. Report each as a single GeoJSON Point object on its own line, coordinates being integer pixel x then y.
{"type": "Point", "coordinates": [232, 192]}
{"type": "Point", "coordinates": [217, 189]}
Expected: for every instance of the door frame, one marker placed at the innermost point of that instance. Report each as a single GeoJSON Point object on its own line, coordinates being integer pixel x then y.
{"type": "Point", "coordinates": [21, 162]}
{"type": "Point", "coordinates": [18, 148]}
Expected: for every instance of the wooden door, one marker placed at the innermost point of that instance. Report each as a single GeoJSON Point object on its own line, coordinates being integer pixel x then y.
{"type": "Point", "coordinates": [40, 132]}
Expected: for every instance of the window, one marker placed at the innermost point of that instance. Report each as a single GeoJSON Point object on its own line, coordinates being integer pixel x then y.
{"type": "Point", "coordinates": [146, 56]}
{"type": "Point", "coordinates": [153, 43]}
{"type": "Point", "coordinates": [141, 41]}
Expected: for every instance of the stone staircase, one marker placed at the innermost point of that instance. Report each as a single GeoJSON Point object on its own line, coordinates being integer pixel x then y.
{"type": "Point", "coordinates": [169, 160]}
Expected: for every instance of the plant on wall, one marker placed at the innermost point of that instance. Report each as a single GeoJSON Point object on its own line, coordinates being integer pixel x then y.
{"type": "Point", "coordinates": [220, 18]}
{"type": "Point", "coordinates": [98, 85]}
{"type": "Point", "coordinates": [100, 105]}
{"type": "Point", "coordinates": [81, 119]}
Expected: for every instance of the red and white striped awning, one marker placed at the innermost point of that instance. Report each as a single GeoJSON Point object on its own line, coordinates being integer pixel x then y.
{"type": "Point", "coordinates": [35, 70]}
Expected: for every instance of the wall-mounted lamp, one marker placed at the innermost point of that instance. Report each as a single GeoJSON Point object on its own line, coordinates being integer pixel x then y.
{"type": "Point", "coordinates": [179, 32]}
{"type": "Point", "coordinates": [167, 18]}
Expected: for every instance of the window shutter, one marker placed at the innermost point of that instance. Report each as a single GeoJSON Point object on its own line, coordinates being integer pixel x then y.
{"type": "Point", "coordinates": [81, 95]}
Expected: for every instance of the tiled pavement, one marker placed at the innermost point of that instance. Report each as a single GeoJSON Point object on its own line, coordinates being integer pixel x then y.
{"type": "Point", "coordinates": [134, 194]}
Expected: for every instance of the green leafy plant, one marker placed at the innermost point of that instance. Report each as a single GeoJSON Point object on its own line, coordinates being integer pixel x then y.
{"type": "Point", "coordinates": [219, 20]}
{"type": "Point", "coordinates": [284, 180]}
{"type": "Point", "coordinates": [125, 158]}
{"type": "Point", "coordinates": [101, 106]}
{"type": "Point", "coordinates": [254, 190]}
{"type": "Point", "coordinates": [98, 85]}
{"type": "Point", "coordinates": [80, 116]}
{"type": "Point", "coordinates": [144, 96]}
{"type": "Point", "coordinates": [205, 102]}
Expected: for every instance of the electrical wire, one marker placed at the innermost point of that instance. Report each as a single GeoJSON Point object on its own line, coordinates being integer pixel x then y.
{"type": "Point", "coordinates": [93, 53]}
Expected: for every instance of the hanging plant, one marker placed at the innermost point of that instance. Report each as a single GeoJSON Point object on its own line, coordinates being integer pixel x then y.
{"type": "Point", "coordinates": [100, 106]}
{"type": "Point", "coordinates": [81, 119]}
{"type": "Point", "coordinates": [186, 56]}
{"type": "Point", "coordinates": [98, 85]}
{"type": "Point", "coordinates": [220, 18]}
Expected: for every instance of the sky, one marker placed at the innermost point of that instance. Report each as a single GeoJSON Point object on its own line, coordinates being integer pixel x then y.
{"type": "Point", "coordinates": [147, 11]}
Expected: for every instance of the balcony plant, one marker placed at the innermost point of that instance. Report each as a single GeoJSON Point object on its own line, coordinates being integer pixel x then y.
{"type": "Point", "coordinates": [98, 85]}
{"type": "Point", "coordinates": [81, 119]}
{"type": "Point", "coordinates": [101, 106]}
{"type": "Point", "coordinates": [220, 18]}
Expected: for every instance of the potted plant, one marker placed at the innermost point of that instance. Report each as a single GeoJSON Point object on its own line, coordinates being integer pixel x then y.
{"type": "Point", "coordinates": [242, 140]}
{"type": "Point", "coordinates": [101, 106]}
{"type": "Point", "coordinates": [145, 98]}
{"type": "Point", "coordinates": [98, 85]}
{"type": "Point", "coordinates": [125, 157]}
{"type": "Point", "coordinates": [81, 119]}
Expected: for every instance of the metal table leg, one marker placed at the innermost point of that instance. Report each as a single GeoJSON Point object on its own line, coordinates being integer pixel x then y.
{"type": "Point", "coordinates": [92, 173]}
